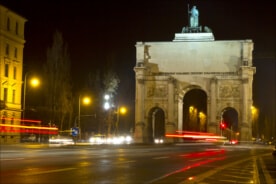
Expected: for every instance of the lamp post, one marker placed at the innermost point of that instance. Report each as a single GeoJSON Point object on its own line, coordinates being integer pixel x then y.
{"type": "Point", "coordinates": [34, 82]}
{"type": "Point", "coordinates": [107, 105]}
{"type": "Point", "coordinates": [85, 100]}
{"type": "Point", "coordinates": [120, 110]}
{"type": "Point", "coordinates": [255, 114]}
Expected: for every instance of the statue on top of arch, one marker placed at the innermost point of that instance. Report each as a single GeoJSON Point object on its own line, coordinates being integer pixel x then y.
{"type": "Point", "coordinates": [194, 15]}
{"type": "Point", "coordinates": [194, 26]}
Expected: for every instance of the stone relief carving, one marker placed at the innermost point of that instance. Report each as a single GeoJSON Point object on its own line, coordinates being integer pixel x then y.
{"type": "Point", "coordinates": [227, 91]}
{"type": "Point", "coordinates": [141, 81]}
{"type": "Point", "coordinates": [159, 91]}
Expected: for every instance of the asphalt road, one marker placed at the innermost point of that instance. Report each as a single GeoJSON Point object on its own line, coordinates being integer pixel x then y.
{"type": "Point", "coordinates": [180, 163]}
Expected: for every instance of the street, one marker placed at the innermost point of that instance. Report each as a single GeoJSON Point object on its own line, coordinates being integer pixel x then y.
{"type": "Point", "coordinates": [177, 163]}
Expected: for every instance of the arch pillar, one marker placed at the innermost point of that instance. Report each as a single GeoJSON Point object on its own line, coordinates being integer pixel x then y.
{"type": "Point", "coordinates": [170, 125]}
{"type": "Point", "coordinates": [180, 114]}
{"type": "Point", "coordinates": [213, 124]}
{"type": "Point", "coordinates": [245, 127]}
{"type": "Point", "coordinates": [139, 134]}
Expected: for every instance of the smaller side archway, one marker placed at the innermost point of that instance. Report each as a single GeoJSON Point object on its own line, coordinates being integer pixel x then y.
{"type": "Point", "coordinates": [230, 117]}
{"type": "Point", "coordinates": [156, 124]}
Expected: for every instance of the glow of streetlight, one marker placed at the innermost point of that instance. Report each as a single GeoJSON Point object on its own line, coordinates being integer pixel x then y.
{"type": "Point", "coordinates": [122, 110]}
{"type": "Point", "coordinates": [106, 97]}
{"type": "Point", "coordinates": [106, 105]}
{"type": "Point", "coordinates": [34, 82]}
{"type": "Point", "coordinates": [254, 110]}
{"type": "Point", "coordinates": [86, 100]}
{"type": "Point", "coordinates": [191, 109]}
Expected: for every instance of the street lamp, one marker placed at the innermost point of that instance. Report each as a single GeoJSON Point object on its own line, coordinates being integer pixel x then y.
{"type": "Point", "coordinates": [255, 114]}
{"type": "Point", "coordinates": [34, 82]}
{"type": "Point", "coordinates": [85, 100]}
{"type": "Point", "coordinates": [120, 110]}
{"type": "Point", "coordinates": [107, 102]}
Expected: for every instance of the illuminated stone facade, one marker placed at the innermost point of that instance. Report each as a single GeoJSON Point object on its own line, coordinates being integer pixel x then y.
{"type": "Point", "coordinates": [11, 63]}
{"type": "Point", "coordinates": [166, 71]}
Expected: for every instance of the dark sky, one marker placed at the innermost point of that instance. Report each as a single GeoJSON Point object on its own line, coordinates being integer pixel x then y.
{"type": "Point", "coordinates": [100, 31]}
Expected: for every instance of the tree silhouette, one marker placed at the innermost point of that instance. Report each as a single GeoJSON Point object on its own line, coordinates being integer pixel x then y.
{"type": "Point", "coordinates": [58, 83]}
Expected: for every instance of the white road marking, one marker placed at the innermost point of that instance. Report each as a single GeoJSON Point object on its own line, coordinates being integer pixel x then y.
{"type": "Point", "coordinates": [9, 159]}
{"type": "Point", "coordinates": [47, 172]}
{"type": "Point", "coordinates": [160, 158]}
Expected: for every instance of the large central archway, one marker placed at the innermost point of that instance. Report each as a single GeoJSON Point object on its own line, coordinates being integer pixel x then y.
{"type": "Point", "coordinates": [195, 110]}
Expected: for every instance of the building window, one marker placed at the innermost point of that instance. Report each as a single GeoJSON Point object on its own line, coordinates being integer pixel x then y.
{"type": "Point", "coordinates": [4, 117]}
{"type": "Point", "coordinates": [14, 72]}
{"type": "Point", "coordinates": [16, 28]}
{"type": "Point", "coordinates": [5, 94]}
{"type": "Point", "coordinates": [6, 70]}
{"type": "Point", "coordinates": [15, 52]}
{"type": "Point", "coordinates": [7, 49]}
{"type": "Point", "coordinates": [8, 24]}
{"type": "Point", "coordinates": [13, 96]}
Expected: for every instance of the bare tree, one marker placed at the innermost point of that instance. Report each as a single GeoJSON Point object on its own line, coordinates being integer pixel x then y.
{"type": "Point", "coordinates": [58, 83]}
{"type": "Point", "coordinates": [111, 82]}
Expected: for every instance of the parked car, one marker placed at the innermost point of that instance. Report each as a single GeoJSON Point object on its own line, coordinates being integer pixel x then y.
{"type": "Point", "coordinates": [29, 138]}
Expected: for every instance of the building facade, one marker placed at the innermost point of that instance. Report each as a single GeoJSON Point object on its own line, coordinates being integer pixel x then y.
{"type": "Point", "coordinates": [166, 72]}
{"type": "Point", "coordinates": [11, 67]}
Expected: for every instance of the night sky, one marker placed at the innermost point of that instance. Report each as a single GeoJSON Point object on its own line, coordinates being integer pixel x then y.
{"type": "Point", "coordinates": [102, 31]}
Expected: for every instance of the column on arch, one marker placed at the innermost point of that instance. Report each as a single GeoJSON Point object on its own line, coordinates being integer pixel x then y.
{"type": "Point", "coordinates": [170, 125]}
{"type": "Point", "coordinates": [139, 111]}
{"type": "Point", "coordinates": [246, 133]}
{"type": "Point", "coordinates": [212, 124]}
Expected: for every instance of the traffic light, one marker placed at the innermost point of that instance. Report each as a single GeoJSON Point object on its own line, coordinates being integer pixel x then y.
{"type": "Point", "coordinates": [222, 126]}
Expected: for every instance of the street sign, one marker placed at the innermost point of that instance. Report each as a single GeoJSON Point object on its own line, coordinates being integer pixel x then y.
{"type": "Point", "coordinates": [75, 131]}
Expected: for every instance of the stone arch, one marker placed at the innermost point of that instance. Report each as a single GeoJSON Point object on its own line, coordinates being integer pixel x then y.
{"type": "Point", "coordinates": [223, 70]}
{"type": "Point", "coordinates": [156, 124]}
{"type": "Point", "coordinates": [230, 116]}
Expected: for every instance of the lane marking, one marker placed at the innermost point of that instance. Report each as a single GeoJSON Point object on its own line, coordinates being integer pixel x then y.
{"type": "Point", "coordinates": [126, 162]}
{"type": "Point", "coordinates": [156, 158]}
{"type": "Point", "coordinates": [10, 159]}
{"type": "Point", "coordinates": [47, 172]}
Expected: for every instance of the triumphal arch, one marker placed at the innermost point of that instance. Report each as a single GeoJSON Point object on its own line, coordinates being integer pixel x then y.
{"type": "Point", "coordinates": [166, 72]}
